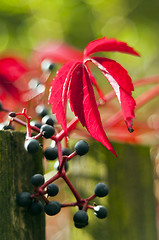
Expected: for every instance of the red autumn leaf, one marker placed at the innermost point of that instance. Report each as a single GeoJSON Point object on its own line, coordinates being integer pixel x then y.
{"type": "Point", "coordinates": [57, 96]}
{"type": "Point", "coordinates": [74, 82]}
{"type": "Point", "coordinates": [121, 83]}
{"type": "Point", "coordinates": [107, 45]}
{"type": "Point", "coordinates": [84, 105]}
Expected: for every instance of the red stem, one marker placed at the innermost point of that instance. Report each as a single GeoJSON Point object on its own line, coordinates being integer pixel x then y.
{"type": "Point", "coordinates": [55, 177]}
{"type": "Point", "coordinates": [70, 127]}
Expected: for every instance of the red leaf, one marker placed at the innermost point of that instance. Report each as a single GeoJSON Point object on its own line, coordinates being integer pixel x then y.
{"type": "Point", "coordinates": [12, 68]}
{"type": "Point", "coordinates": [108, 45]}
{"type": "Point", "coordinates": [58, 92]}
{"type": "Point", "coordinates": [11, 71]}
{"type": "Point", "coordinates": [57, 52]}
{"type": "Point", "coordinates": [121, 83]}
{"type": "Point", "coordinates": [114, 69]}
{"type": "Point", "coordinates": [93, 80]}
{"type": "Point", "coordinates": [83, 104]}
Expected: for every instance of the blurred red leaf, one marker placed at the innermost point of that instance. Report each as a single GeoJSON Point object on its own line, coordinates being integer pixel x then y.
{"type": "Point", "coordinates": [57, 52]}
{"type": "Point", "coordinates": [11, 70]}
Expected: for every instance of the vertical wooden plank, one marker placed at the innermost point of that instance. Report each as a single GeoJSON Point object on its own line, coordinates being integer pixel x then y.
{"type": "Point", "coordinates": [130, 203]}
{"type": "Point", "coordinates": [16, 168]}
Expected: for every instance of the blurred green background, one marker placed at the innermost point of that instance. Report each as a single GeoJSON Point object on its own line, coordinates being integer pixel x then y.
{"type": "Point", "coordinates": [23, 24]}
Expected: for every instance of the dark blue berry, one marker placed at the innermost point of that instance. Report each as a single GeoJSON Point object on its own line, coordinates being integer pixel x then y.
{"type": "Point", "coordinates": [12, 114]}
{"type": "Point", "coordinates": [36, 124]}
{"type": "Point", "coordinates": [56, 166]}
{"type": "Point", "coordinates": [101, 190]}
{"type": "Point", "coordinates": [52, 208]}
{"type": "Point", "coordinates": [37, 180]}
{"type": "Point", "coordinates": [66, 151]}
{"type": "Point", "coordinates": [8, 127]}
{"type": "Point", "coordinates": [100, 212]}
{"type": "Point", "coordinates": [81, 147]}
{"type": "Point", "coordinates": [41, 110]}
{"type": "Point", "coordinates": [31, 145]}
{"type": "Point", "coordinates": [35, 208]}
{"type": "Point", "coordinates": [47, 119]}
{"type": "Point", "coordinates": [52, 189]}
{"type": "Point", "coordinates": [47, 131]}
{"type": "Point", "coordinates": [80, 225]}
{"type": "Point", "coordinates": [24, 199]}
{"type": "Point", "coordinates": [80, 218]}
{"type": "Point", "coordinates": [51, 153]}
{"type": "Point", "coordinates": [47, 65]}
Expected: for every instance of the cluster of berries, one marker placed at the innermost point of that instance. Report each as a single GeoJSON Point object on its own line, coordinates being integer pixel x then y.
{"type": "Point", "coordinates": [43, 190]}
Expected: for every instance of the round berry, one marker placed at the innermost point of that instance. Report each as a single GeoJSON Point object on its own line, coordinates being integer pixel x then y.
{"type": "Point", "coordinates": [36, 124]}
{"type": "Point", "coordinates": [47, 119]}
{"type": "Point", "coordinates": [47, 65]}
{"type": "Point", "coordinates": [12, 114]}
{"type": "Point", "coordinates": [81, 147]}
{"type": "Point", "coordinates": [8, 127]}
{"type": "Point", "coordinates": [101, 190]}
{"type": "Point", "coordinates": [24, 199]}
{"type": "Point", "coordinates": [35, 208]}
{"type": "Point", "coordinates": [41, 110]}
{"type": "Point", "coordinates": [52, 189]}
{"type": "Point", "coordinates": [56, 166]}
{"type": "Point", "coordinates": [33, 83]}
{"type": "Point", "coordinates": [51, 153]}
{"type": "Point", "coordinates": [52, 208]}
{"type": "Point", "coordinates": [80, 225]}
{"type": "Point", "coordinates": [47, 131]}
{"type": "Point", "coordinates": [66, 151]}
{"type": "Point", "coordinates": [37, 180]}
{"type": "Point", "coordinates": [100, 212]}
{"type": "Point", "coordinates": [31, 145]}
{"type": "Point", "coordinates": [80, 218]}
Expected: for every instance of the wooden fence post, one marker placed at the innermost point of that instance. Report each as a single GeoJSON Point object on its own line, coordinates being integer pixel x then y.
{"type": "Point", "coordinates": [130, 203]}
{"type": "Point", "coordinates": [16, 168]}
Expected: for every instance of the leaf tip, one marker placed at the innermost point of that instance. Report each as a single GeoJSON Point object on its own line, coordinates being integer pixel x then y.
{"type": "Point", "coordinates": [129, 123]}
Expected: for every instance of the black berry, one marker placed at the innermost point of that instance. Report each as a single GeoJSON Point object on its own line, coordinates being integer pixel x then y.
{"type": "Point", "coordinates": [52, 189]}
{"type": "Point", "coordinates": [100, 212]}
{"type": "Point", "coordinates": [47, 65]}
{"type": "Point", "coordinates": [12, 114]}
{"type": "Point", "coordinates": [35, 208]}
{"type": "Point", "coordinates": [41, 110]}
{"type": "Point", "coordinates": [81, 147]}
{"type": "Point", "coordinates": [24, 199]}
{"type": "Point", "coordinates": [66, 151]}
{"type": "Point", "coordinates": [36, 124]}
{"type": "Point", "coordinates": [51, 153]}
{"type": "Point", "coordinates": [56, 166]}
{"type": "Point", "coordinates": [80, 219]}
{"type": "Point", "coordinates": [101, 190]}
{"type": "Point", "coordinates": [37, 180]}
{"type": "Point", "coordinates": [31, 145]}
{"type": "Point", "coordinates": [8, 127]}
{"type": "Point", "coordinates": [47, 119]}
{"type": "Point", "coordinates": [52, 208]}
{"type": "Point", "coordinates": [47, 131]}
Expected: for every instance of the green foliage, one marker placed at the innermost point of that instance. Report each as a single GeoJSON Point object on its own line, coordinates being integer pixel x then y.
{"type": "Point", "coordinates": [25, 23]}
